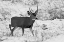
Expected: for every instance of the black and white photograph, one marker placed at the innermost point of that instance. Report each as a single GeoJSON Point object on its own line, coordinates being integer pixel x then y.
{"type": "Point", "coordinates": [31, 20]}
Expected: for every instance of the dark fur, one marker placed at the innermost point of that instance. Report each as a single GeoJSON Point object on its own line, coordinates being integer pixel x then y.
{"type": "Point", "coordinates": [23, 22]}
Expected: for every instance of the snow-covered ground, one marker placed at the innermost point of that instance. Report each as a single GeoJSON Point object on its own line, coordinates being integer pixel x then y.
{"type": "Point", "coordinates": [59, 38]}
{"type": "Point", "coordinates": [53, 33]}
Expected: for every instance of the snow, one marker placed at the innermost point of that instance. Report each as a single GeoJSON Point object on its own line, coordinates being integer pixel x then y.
{"type": "Point", "coordinates": [59, 38]}
{"type": "Point", "coordinates": [53, 33]}
{"type": "Point", "coordinates": [54, 28]}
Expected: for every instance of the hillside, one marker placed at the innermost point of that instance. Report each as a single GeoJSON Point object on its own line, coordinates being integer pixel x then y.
{"type": "Point", "coordinates": [46, 29]}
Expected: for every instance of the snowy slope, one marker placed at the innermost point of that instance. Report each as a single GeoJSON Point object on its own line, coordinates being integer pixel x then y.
{"type": "Point", "coordinates": [53, 33]}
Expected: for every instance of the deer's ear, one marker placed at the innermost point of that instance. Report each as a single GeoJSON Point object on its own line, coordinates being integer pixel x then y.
{"type": "Point", "coordinates": [36, 12]}
{"type": "Point", "coordinates": [28, 12]}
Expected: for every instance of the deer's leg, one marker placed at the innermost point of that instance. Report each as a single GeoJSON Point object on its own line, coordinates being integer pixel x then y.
{"type": "Point", "coordinates": [31, 31]}
{"type": "Point", "coordinates": [22, 31]}
{"type": "Point", "coordinates": [10, 26]}
{"type": "Point", "coordinates": [12, 31]}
